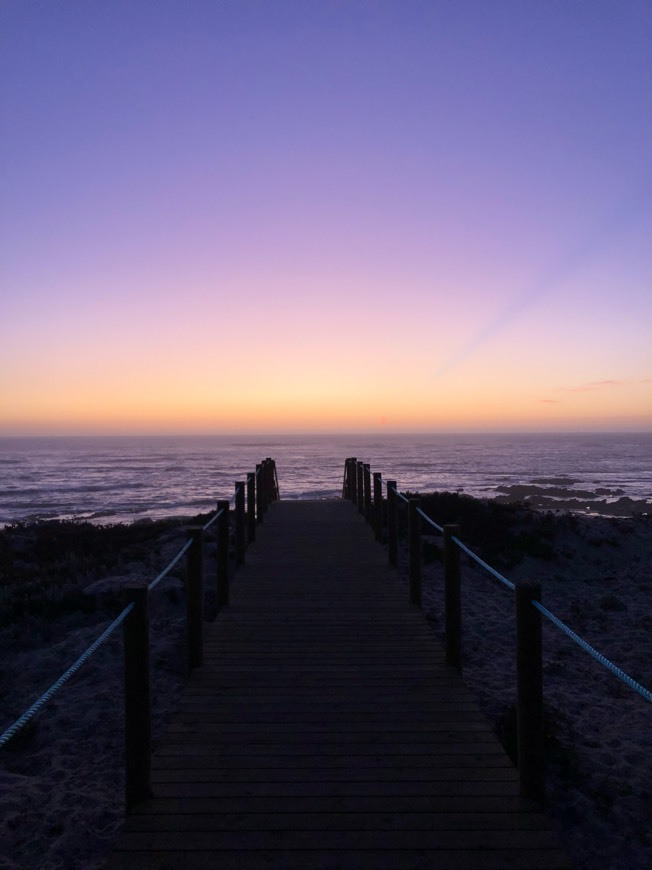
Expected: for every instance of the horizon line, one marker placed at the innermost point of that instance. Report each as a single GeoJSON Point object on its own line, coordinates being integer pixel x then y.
{"type": "Point", "coordinates": [326, 433]}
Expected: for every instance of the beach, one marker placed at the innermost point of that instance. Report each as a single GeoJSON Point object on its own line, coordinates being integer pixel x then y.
{"type": "Point", "coordinates": [597, 580]}
{"type": "Point", "coordinates": [61, 793]}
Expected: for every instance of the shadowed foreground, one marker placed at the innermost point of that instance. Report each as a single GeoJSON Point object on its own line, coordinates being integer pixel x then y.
{"type": "Point", "coordinates": [325, 730]}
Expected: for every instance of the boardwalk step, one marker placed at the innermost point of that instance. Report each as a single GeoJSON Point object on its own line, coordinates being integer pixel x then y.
{"type": "Point", "coordinates": [325, 730]}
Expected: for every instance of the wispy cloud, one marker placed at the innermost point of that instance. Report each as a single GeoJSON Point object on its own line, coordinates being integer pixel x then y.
{"type": "Point", "coordinates": [581, 252]}
{"type": "Point", "coordinates": [591, 386]}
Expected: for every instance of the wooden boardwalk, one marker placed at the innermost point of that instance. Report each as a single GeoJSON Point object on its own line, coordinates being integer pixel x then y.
{"type": "Point", "coordinates": [324, 729]}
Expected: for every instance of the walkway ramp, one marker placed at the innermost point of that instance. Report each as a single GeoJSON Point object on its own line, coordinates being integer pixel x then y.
{"type": "Point", "coordinates": [325, 730]}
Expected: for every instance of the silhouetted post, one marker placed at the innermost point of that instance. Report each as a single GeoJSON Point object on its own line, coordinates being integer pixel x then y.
{"type": "Point", "coordinates": [138, 727]}
{"type": "Point", "coordinates": [378, 505]}
{"type": "Point", "coordinates": [353, 479]}
{"type": "Point", "coordinates": [529, 681]}
{"type": "Point", "coordinates": [367, 491]}
{"type": "Point", "coordinates": [222, 533]}
{"type": "Point", "coordinates": [265, 484]}
{"type": "Point", "coordinates": [414, 538]}
{"type": "Point", "coordinates": [392, 522]}
{"type": "Point", "coordinates": [271, 489]}
{"type": "Point", "coordinates": [346, 486]}
{"type": "Point", "coordinates": [260, 493]}
{"type": "Point", "coordinates": [195, 598]}
{"type": "Point", "coordinates": [239, 523]}
{"type": "Point", "coordinates": [453, 598]}
{"type": "Point", "coordinates": [345, 482]}
{"type": "Point", "coordinates": [276, 493]}
{"type": "Point", "coordinates": [360, 486]}
{"type": "Point", "coordinates": [251, 506]}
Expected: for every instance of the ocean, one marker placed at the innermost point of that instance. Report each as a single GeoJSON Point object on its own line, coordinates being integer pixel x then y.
{"type": "Point", "coordinates": [125, 478]}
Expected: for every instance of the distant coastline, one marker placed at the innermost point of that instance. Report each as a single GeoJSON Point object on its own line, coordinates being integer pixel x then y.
{"type": "Point", "coordinates": [121, 478]}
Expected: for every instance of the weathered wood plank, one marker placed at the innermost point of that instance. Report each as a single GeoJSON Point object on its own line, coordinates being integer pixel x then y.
{"type": "Point", "coordinates": [343, 804]}
{"type": "Point", "coordinates": [354, 773]}
{"type": "Point", "coordinates": [325, 729]}
{"type": "Point", "coordinates": [404, 859]}
{"type": "Point", "coordinates": [471, 761]}
{"type": "Point", "coordinates": [339, 822]}
{"type": "Point", "coordinates": [348, 840]}
{"type": "Point", "coordinates": [309, 789]}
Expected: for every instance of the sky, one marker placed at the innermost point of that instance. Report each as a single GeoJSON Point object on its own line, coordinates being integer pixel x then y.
{"type": "Point", "coordinates": [325, 215]}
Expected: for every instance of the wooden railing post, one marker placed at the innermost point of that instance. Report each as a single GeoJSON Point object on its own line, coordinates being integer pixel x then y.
{"type": "Point", "coordinates": [251, 506]}
{"type": "Point", "coordinates": [240, 523]}
{"type": "Point", "coordinates": [264, 482]}
{"type": "Point", "coordinates": [346, 488]}
{"type": "Point", "coordinates": [345, 484]}
{"type": "Point", "coordinates": [223, 554]}
{"type": "Point", "coordinates": [378, 505]}
{"type": "Point", "coordinates": [195, 598]}
{"type": "Point", "coordinates": [414, 538]}
{"type": "Point", "coordinates": [138, 722]}
{"type": "Point", "coordinates": [260, 493]}
{"type": "Point", "coordinates": [529, 681]}
{"type": "Point", "coordinates": [367, 491]}
{"type": "Point", "coordinates": [269, 480]}
{"type": "Point", "coordinates": [360, 486]}
{"type": "Point", "coordinates": [453, 598]}
{"type": "Point", "coordinates": [353, 479]}
{"type": "Point", "coordinates": [392, 522]}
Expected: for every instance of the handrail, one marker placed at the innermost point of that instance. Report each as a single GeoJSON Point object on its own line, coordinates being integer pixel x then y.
{"type": "Point", "coordinates": [483, 564]}
{"type": "Point", "coordinates": [29, 714]}
{"type": "Point", "coordinates": [604, 661]}
{"type": "Point", "coordinates": [428, 519]}
{"type": "Point", "coordinates": [171, 565]}
{"type": "Point", "coordinates": [598, 656]}
{"type": "Point", "coordinates": [63, 679]}
{"type": "Point", "coordinates": [528, 617]}
{"type": "Point", "coordinates": [401, 496]}
{"type": "Point", "coordinates": [215, 517]}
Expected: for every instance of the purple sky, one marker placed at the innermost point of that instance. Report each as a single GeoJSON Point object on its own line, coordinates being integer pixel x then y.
{"type": "Point", "coordinates": [423, 214]}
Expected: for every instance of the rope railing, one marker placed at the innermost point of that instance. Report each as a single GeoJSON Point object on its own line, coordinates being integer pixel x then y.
{"type": "Point", "coordinates": [598, 656]}
{"type": "Point", "coordinates": [213, 519]}
{"type": "Point", "coordinates": [164, 573]}
{"type": "Point", "coordinates": [135, 619]}
{"type": "Point", "coordinates": [483, 564]}
{"type": "Point", "coordinates": [429, 520]}
{"type": "Point", "coordinates": [63, 679]}
{"type": "Point", "coordinates": [528, 611]}
{"type": "Point", "coordinates": [604, 661]}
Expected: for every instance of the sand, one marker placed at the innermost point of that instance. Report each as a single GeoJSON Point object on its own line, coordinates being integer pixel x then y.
{"type": "Point", "coordinates": [61, 780]}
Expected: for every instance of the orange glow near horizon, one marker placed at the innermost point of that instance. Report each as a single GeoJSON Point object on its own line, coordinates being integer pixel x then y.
{"type": "Point", "coordinates": [314, 407]}
{"type": "Point", "coordinates": [280, 231]}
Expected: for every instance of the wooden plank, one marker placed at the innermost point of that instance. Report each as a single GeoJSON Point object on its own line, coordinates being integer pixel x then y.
{"type": "Point", "coordinates": [472, 761]}
{"type": "Point", "coordinates": [342, 804]}
{"type": "Point", "coordinates": [354, 773]}
{"type": "Point", "coordinates": [308, 789]}
{"type": "Point", "coordinates": [335, 839]}
{"type": "Point", "coordinates": [325, 730]}
{"type": "Point", "coordinates": [404, 859]}
{"type": "Point", "coordinates": [338, 822]}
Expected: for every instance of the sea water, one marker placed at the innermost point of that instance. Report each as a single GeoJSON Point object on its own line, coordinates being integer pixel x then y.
{"type": "Point", "coordinates": [122, 478]}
